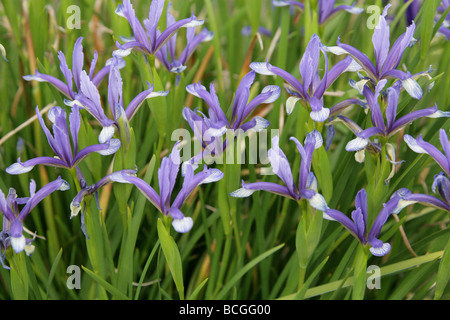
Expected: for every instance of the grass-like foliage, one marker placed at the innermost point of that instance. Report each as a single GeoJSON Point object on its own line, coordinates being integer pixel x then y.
{"type": "Point", "coordinates": [239, 149]}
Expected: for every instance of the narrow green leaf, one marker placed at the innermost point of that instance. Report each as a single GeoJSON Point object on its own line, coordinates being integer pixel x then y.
{"type": "Point", "coordinates": [198, 289]}
{"type": "Point", "coordinates": [443, 274]}
{"type": "Point", "coordinates": [106, 285]}
{"type": "Point", "coordinates": [173, 257]}
{"type": "Point", "coordinates": [53, 270]}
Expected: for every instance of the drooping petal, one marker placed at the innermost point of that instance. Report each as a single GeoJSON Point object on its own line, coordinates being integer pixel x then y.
{"type": "Point", "coordinates": [249, 188]}
{"type": "Point", "coordinates": [391, 109]}
{"type": "Point", "coordinates": [170, 31]}
{"type": "Point", "coordinates": [336, 215]}
{"type": "Point", "coordinates": [45, 191]}
{"type": "Point", "coordinates": [23, 167]}
{"type": "Point", "coordinates": [361, 58]}
{"type": "Point", "coordinates": [418, 145]}
{"type": "Point", "coordinates": [136, 103]}
{"type": "Point", "coordinates": [58, 84]}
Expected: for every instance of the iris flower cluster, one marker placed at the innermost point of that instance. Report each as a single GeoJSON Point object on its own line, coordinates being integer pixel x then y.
{"type": "Point", "coordinates": [80, 90]}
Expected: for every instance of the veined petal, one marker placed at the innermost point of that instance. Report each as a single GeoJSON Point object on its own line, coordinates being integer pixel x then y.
{"type": "Point", "coordinates": [290, 103]}
{"type": "Point", "coordinates": [23, 167]}
{"type": "Point", "coordinates": [381, 250]}
{"type": "Point", "coordinates": [256, 124]}
{"type": "Point", "coordinates": [262, 68]}
{"type": "Point", "coordinates": [106, 134]}
{"type": "Point", "coordinates": [358, 85]}
{"type": "Point", "coordinates": [58, 84]}
{"type": "Point", "coordinates": [280, 164]}
{"type": "Point", "coordinates": [318, 202]}
{"type": "Point", "coordinates": [413, 88]}
{"type": "Point", "coordinates": [420, 146]}
{"type": "Point", "coordinates": [249, 188]}
{"type": "Point", "coordinates": [242, 193]}
{"type": "Point", "coordinates": [360, 58]}
{"type": "Point", "coordinates": [357, 144]}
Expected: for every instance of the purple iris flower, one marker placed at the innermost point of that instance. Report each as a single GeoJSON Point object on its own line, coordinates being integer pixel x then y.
{"type": "Point", "coordinates": [327, 8]}
{"type": "Point", "coordinates": [148, 39]}
{"type": "Point", "coordinates": [387, 58]}
{"type": "Point", "coordinates": [73, 75]}
{"type": "Point", "coordinates": [392, 125]}
{"type": "Point", "coordinates": [307, 182]}
{"type": "Point", "coordinates": [357, 225]}
{"type": "Point", "coordinates": [167, 177]}
{"type": "Point", "coordinates": [167, 52]}
{"type": "Point", "coordinates": [89, 99]}
{"type": "Point", "coordinates": [14, 217]}
{"type": "Point", "coordinates": [441, 181]}
{"type": "Point", "coordinates": [208, 128]}
{"type": "Point", "coordinates": [312, 88]}
{"type": "Point", "coordinates": [64, 143]}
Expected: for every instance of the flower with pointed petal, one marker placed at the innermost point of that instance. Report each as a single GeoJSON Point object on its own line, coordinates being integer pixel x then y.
{"type": "Point", "coordinates": [327, 8]}
{"type": "Point", "coordinates": [89, 99]}
{"type": "Point", "coordinates": [14, 217]}
{"type": "Point", "coordinates": [148, 39]}
{"type": "Point", "coordinates": [167, 176]}
{"type": "Point", "coordinates": [307, 182]}
{"type": "Point", "coordinates": [387, 58]}
{"type": "Point", "coordinates": [166, 54]}
{"type": "Point", "coordinates": [441, 183]}
{"type": "Point", "coordinates": [357, 225]}
{"type": "Point", "coordinates": [73, 76]}
{"type": "Point", "coordinates": [312, 88]}
{"type": "Point", "coordinates": [64, 142]}
{"type": "Point", "coordinates": [392, 125]}
{"type": "Point", "coordinates": [209, 127]}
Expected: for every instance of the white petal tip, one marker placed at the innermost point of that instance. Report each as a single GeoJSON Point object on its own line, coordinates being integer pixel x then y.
{"type": "Point", "coordinates": [318, 202]}
{"type": "Point", "coordinates": [261, 124]}
{"type": "Point", "coordinates": [275, 93]}
{"type": "Point", "coordinates": [178, 69]}
{"type": "Point", "coordinates": [261, 68]}
{"type": "Point", "coordinates": [413, 88]}
{"type": "Point", "coordinates": [74, 210]}
{"type": "Point", "coordinates": [114, 145]}
{"type": "Point", "coordinates": [290, 104]}
{"type": "Point", "coordinates": [321, 115]}
{"type": "Point", "coordinates": [242, 193]}
{"type": "Point", "coordinates": [381, 251]}
{"type": "Point", "coordinates": [17, 168]}
{"type": "Point", "coordinates": [18, 244]}
{"type": "Point", "coordinates": [194, 23]}
{"type": "Point", "coordinates": [106, 134]}
{"type": "Point", "coordinates": [356, 144]}
{"type": "Point", "coordinates": [64, 186]}
{"type": "Point", "coordinates": [412, 144]}
{"type": "Point", "coordinates": [183, 225]}
{"type": "Point", "coordinates": [215, 176]}
{"type": "Point", "coordinates": [33, 77]}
